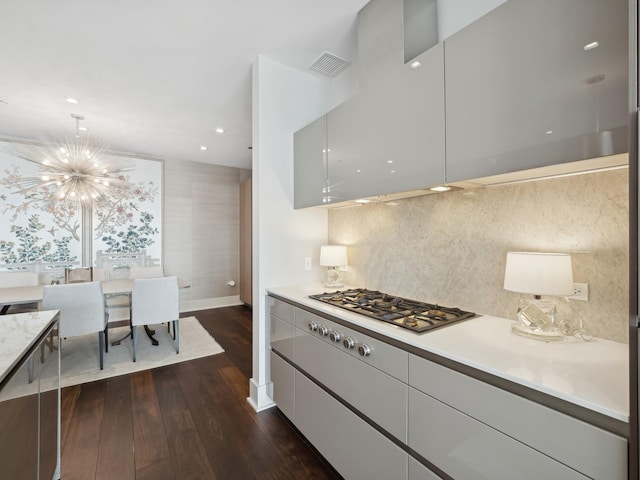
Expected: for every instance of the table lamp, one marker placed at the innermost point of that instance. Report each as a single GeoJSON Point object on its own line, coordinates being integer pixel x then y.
{"type": "Point", "coordinates": [333, 256]}
{"type": "Point", "coordinates": [538, 274]}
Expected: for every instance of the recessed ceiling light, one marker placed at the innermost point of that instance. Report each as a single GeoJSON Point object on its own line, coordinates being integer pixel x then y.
{"type": "Point", "coordinates": [219, 130]}
{"type": "Point", "coordinates": [82, 129]}
{"type": "Point", "coordinates": [71, 100]}
{"type": "Point", "coordinates": [548, 132]}
{"type": "Point", "coordinates": [441, 188]}
{"type": "Point", "coordinates": [203, 147]}
{"type": "Point", "coordinates": [393, 171]}
{"type": "Point", "coordinates": [415, 64]}
{"type": "Point", "coordinates": [358, 170]}
{"type": "Point", "coordinates": [389, 161]}
{"type": "Point", "coordinates": [591, 46]}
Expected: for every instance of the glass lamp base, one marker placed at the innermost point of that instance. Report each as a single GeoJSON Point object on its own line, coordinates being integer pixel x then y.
{"type": "Point", "coordinates": [334, 278]}
{"type": "Point", "coordinates": [537, 319]}
{"type": "Point", "coordinates": [541, 335]}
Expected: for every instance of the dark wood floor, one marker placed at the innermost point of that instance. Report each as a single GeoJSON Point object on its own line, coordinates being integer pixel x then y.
{"type": "Point", "coordinates": [188, 420]}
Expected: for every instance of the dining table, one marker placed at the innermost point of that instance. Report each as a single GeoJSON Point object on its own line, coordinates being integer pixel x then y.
{"type": "Point", "coordinates": [33, 294]}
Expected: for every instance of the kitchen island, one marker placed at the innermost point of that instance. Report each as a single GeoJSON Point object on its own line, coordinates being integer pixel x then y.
{"type": "Point", "coordinates": [29, 416]}
{"type": "Point", "coordinates": [566, 401]}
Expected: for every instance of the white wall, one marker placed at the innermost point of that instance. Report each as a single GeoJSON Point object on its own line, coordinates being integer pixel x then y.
{"type": "Point", "coordinates": [201, 231]}
{"type": "Point", "coordinates": [284, 100]}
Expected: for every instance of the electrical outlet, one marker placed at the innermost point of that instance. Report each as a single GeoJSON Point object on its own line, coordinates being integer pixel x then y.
{"type": "Point", "coordinates": [307, 263]}
{"type": "Point", "coordinates": [580, 292]}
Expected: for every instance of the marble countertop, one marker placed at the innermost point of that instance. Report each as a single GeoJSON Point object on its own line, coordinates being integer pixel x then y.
{"type": "Point", "coordinates": [18, 333]}
{"type": "Point", "coordinates": [594, 375]}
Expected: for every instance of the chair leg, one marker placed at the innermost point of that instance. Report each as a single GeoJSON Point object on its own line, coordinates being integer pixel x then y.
{"type": "Point", "coordinates": [101, 343]}
{"type": "Point", "coordinates": [176, 336]}
{"type": "Point", "coordinates": [134, 337]}
{"type": "Point", "coordinates": [106, 339]}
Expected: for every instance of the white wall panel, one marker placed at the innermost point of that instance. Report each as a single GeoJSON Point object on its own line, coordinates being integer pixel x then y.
{"type": "Point", "coordinates": [201, 233]}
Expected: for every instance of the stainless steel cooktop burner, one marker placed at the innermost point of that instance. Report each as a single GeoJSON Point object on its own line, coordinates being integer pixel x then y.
{"type": "Point", "coordinates": [410, 314]}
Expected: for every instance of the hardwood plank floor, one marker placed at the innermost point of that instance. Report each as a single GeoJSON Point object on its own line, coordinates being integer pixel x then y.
{"type": "Point", "coordinates": [188, 420]}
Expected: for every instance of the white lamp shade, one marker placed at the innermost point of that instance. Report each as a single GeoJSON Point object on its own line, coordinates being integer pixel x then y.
{"type": "Point", "coordinates": [333, 255]}
{"type": "Point", "coordinates": [539, 273]}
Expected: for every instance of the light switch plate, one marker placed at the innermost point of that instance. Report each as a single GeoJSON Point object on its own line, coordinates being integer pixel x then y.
{"type": "Point", "coordinates": [307, 263]}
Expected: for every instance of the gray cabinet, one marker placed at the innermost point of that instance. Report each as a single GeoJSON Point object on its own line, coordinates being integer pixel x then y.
{"type": "Point", "coordinates": [353, 447]}
{"type": "Point", "coordinates": [282, 377]}
{"type": "Point", "coordinates": [465, 448]}
{"type": "Point", "coordinates": [389, 138]}
{"type": "Point", "coordinates": [526, 87]}
{"type": "Point", "coordinates": [310, 165]}
{"type": "Point", "coordinates": [403, 416]}
{"type": "Point", "coordinates": [282, 341]}
{"type": "Point", "coordinates": [469, 420]}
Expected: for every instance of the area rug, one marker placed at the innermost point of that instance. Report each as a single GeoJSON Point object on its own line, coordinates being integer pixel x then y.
{"type": "Point", "coordinates": [80, 362]}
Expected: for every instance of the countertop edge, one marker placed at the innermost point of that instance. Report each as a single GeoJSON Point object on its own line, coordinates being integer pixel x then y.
{"type": "Point", "coordinates": [11, 368]}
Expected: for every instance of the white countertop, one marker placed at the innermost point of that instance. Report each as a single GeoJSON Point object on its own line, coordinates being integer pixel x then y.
{"type": "Point", "coordinates": [594, 375]}
{"type": "Point", "coordinates": [18, 333]}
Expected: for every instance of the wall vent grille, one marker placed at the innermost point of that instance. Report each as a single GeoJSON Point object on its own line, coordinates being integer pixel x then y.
{"type": "Point", "coordinates": [329, 64]}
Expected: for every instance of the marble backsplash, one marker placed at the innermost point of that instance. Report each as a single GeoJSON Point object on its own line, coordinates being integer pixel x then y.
{"type": "Point", "coordinates": [451, 248]}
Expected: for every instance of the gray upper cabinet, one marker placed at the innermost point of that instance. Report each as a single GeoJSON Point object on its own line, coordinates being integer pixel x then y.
{"type": "Point", "coordinates": [526, 87]}
{"type": "Point", "coordinates": [389, 138]}
{"type": "Point", "coordinates": [310, 164]}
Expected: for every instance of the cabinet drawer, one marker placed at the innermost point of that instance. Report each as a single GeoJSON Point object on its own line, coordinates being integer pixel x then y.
{"type": "Point", "coordinates": [280, 309]}
{"type": "Point", "coordinates": [383, 356]}
{"type": "Point", "coordinates": [282, 375]}
{"type": "Point", "coordinates": [282, 336]}
{"type": "Point", "coordinates": [417, 471]}
{"type": "Point", "coordinates": [467, 449]}
{"type": "Point", "coordinates": [353, 447]}
{"type": "Point", "coordinates": [553, 433]}
{"type": "Point", "coordinates": [379, 396]}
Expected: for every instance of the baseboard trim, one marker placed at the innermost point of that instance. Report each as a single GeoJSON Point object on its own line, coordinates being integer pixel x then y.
{"type": "Point", "coordinates": [207, 303]}
{"type": "Point", "coordinates": [260, 396]}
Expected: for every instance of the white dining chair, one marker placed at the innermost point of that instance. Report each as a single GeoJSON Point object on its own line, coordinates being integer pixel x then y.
{"type": "Point", "coordinates": [82, 311]}
{"type": "Point", "coordinates": [155, 300]}
{"type": "Point", "coordinates": [119, 303]}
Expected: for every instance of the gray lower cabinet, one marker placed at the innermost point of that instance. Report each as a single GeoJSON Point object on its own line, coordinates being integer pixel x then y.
{"type": "Point", "coordinates": [418, 471]}
{"type": "Point", "coordinates": [282, 340]}
{"type": "Point", "coordinates": [467, 449]}
{"type": "Point", "coordinates": [527, 87]}
{"type": "Point", "coordinates": [282, 377]}
{"type": "Point", "coordinates": [366, 388]}
{"type": "Point", "coordinates": [491, 420]}
{"type": "Point", "coordinates": [354, 448]}
{"type": "Point", "coordinates": [394, 414]}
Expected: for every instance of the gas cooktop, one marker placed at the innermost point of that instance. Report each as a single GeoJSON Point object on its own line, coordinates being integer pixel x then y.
{"type": "Point", "coordinates": [411, 314]}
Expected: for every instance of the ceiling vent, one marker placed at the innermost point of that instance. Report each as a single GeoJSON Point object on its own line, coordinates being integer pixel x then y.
{"type": "Point", "coordinates": [329, 64]}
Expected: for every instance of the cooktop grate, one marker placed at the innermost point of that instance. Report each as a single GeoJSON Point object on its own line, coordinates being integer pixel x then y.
{"type": "Point", "coordinates": [413, 315]}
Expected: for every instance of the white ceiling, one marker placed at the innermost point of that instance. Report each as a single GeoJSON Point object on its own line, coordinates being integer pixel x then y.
{"type": "Point", "coordinates": [156, 77]}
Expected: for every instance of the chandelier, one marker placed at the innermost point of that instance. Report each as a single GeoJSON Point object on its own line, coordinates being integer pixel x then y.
{"type": "Point", "coordinates": [73, 171]}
